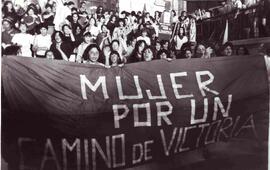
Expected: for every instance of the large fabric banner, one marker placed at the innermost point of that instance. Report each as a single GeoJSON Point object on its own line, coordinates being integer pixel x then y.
{"type": "Point", "coordinates": [61, 115]}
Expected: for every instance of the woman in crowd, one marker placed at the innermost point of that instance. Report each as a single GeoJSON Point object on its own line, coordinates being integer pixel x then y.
{"type": "Point", "coordinates": [144, 36]}
{"type": "Point", "coordinates": [87, 40]}
{"type": "Point", "coordinates": [84, 20]}
{"type": "Point", "coordinates": [227, 49]}
{"type": "Point", "coordinates": [131, 46]}
{"type": "Point", "coordinates": [111, 24]}
{"type": "Point", "coordinates": [91, 55]}
{"type": "Point", "coordinates": [115, 59]}
{"type": "Point", "coordinates": [9, 11]}
{"type": "Point", "coordinates": [137, 54]}
{"type": "Point", "coordinates": [116, 46]}
{"type": "Point", "coordinates": [42, 41]}
{"type": "Point", "coordinates": [148, 54]}
{"type": "Point", "coordinates": [104, 37]}
{"type": "Point", "coordinates": [31, 19]}
{"type": "Point", "coordinates": [92, 28]}
{"type": "Point", "coordinates": [210, 51]}
{"type": "Point", "coordinates": [74, 21]}
{"type": "Point", "coordinates": [179, 40]}
{"type": "Point", "coordinates": [24, 40]}
{"type": "Point", "coordinates": [49, 55]}
{"type": "Point", "coordinates": [68, 34]}
{"type": "Point", "coordinates": [157, 48]}
{"type": "Point", "coordinates": [200, 51]}
{"type": "Point", "coordinates": [8, 32]}
{"type": "Point", "coordinates": [164, 54]}
{"type": "Point", "coordinates": [242, 50]}
{"type": "Point", "coordinates": [78, 35]}
{"type": "Point", "coordinates": [61, 49]}
{"type": "Point", "coordinates": [187, 53]}
{"type": "Point", "coordinates": [48, 15]}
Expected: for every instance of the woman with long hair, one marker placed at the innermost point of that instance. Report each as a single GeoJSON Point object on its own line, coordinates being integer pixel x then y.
{"type": "Point", "coordinates": [137, 54]}
{"type": "Point", "coordinates": [61, 49]}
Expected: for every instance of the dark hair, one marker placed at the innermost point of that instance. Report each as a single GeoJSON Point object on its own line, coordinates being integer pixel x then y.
{"type": "Point", "coordinates": [174, 13]}
{"type": "Point", "coordinates": [138, 43]}
{"type": "Point", "coordinates": [118, 57]}
{"type": "Point", "coordinates": [23, 23]}
{"type": "Point", "coordinates": [43, 25]}
{"type": "Point", "coordinates": [94, 20]}
{"type": "Point", "coordinates": [115, 40]}
{"type": "Point", "coordinates": [65, 25]}
{"type": "Point", "coordinates": [60, 34]}
{"type": "Point", "coordinates": [122, 20]}
{"type": "Point", "coordinates": [196, 47]}
{"type": "Point", "coordinates": [48, 6]}
{"type": "Point", "coordinates": [75, 14]}
{"type": "Point", "coordinates": [85, 55]}
{"type": "Point", "coordinates": [87, 34]}
{"type": "Point", "coordinates": [246, 52]}
{"type": "Point", "coordinates": [163, 42]}
{"type": "Point", "coordinates": [31, 7]}
{"type": "Point", "coordinates": [74, 9]}
{"type": "Point", "coordinates": [184, 52]}
{"type": "Point", "coordinates": [224, 46]}
{"type": "Point", "coordinates": [5, 9]}
{"type": "Point", "coordinates": [11, 50]}
{"type": "Point", "coordinates": [161, 52]}
{"type": "Point", "coordinates": [148, 47]}
{"type": "Point", "coordinates": [184, 32]}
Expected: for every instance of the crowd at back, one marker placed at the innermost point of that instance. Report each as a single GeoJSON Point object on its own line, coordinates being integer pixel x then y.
{"type": "Point", "coordinates": [105, 37]}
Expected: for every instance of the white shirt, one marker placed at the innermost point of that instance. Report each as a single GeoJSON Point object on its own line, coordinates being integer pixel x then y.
{"type": "Point", "coordinates": [180, 42]}
{"type": "Point", "coordinates": [24, 40]}
{"type": "Point", "coordinates": [42, 41]}
{"type": "Point", "coordinates": [146, 39]}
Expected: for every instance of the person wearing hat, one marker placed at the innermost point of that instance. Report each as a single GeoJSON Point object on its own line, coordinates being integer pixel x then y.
{"type": "Point", "coordinates": [8, 31]}
{"type": "Point", "coordinates": [42, 41]}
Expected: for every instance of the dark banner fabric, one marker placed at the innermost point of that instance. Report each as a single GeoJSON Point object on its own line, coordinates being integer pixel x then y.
{"type": "Point", "coordinates": [59, 115]}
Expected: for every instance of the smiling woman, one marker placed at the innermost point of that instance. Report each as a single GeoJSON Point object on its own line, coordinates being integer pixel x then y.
{"type": "Point", "coordinates": [92, 54]}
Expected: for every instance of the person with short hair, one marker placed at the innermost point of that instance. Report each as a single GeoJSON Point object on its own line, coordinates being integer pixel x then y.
{"type": "Point", "coordinates": [148, 54]}
{"type": "Point", "coordinates": [49, 55]}
{"type": "Point", "coordinates": [42, 42]}
{"type": "Point", "coordinates": [227, 49]}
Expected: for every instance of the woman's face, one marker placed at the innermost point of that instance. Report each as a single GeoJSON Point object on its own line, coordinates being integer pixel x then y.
{"type": "Point", "coordinates": [228, 51]}
{"type": "Point", "coordinates": [66, 30]}
{"type": "Point", "coordinates": [43, 31]}
{"type": "Point", "coordinates": [188, 54]}
{"type": "Point", "coordinates": [78, 30]}
{"type": "Point", "coordinates": [209, 52]}
{"type": "Point", "coordinates": [148, 55]}
{"type": "Point", "coordinates": [75, 17]}
{"type": "Point", "coordinates": [163, 55]}
{"type": "Point", "coordinates": [200, 51]}
{"type": "Point", "coordinates": [181, 31]}
{"type": "Point", "coordinates": [23, 28]}
{"type": "Point", "coordinates": [166, 45]}
{"type": "Point", "coordinates": [104, 28]}
{"type": "Point", "coordinates": [87, 39]}
{"type": "Point", "coordinates": [241, 51]}
{"type": "Point", "coordinates": [114, 58]}
{"type": "Point", "coordinates": [115, 46]}
{"type": "Point", "coordinates": [141, 47]}
{"type": "Point", "coordinates": [133, 43]}
{"type": "Point", "coordinates": [158, 46]}
{"type": "Point", "coordinates": [121, 24]}
{"type": "Point", "coordinates": [9, 6]}
{"type": "Point", "coordinates": [113, 19]}
{"type": "Point", "coordinates": [92, 21]}
{"type": "Point", "coordinates": [50, 55]}
{"type": "Point", "coordinates": [94, 54]}
{"type": "Point", "coordinates": [58, 38]}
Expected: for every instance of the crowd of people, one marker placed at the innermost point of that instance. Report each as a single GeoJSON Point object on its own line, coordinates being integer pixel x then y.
{"type": "Point", "coordinates": [105, 37]}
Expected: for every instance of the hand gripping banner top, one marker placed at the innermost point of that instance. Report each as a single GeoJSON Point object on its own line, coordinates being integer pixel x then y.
{"type": "Point", "coordinates": [62, 115]}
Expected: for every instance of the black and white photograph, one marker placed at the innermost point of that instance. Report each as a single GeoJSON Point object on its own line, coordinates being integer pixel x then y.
{"type": "Point", "coordinates": [135, 84]}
